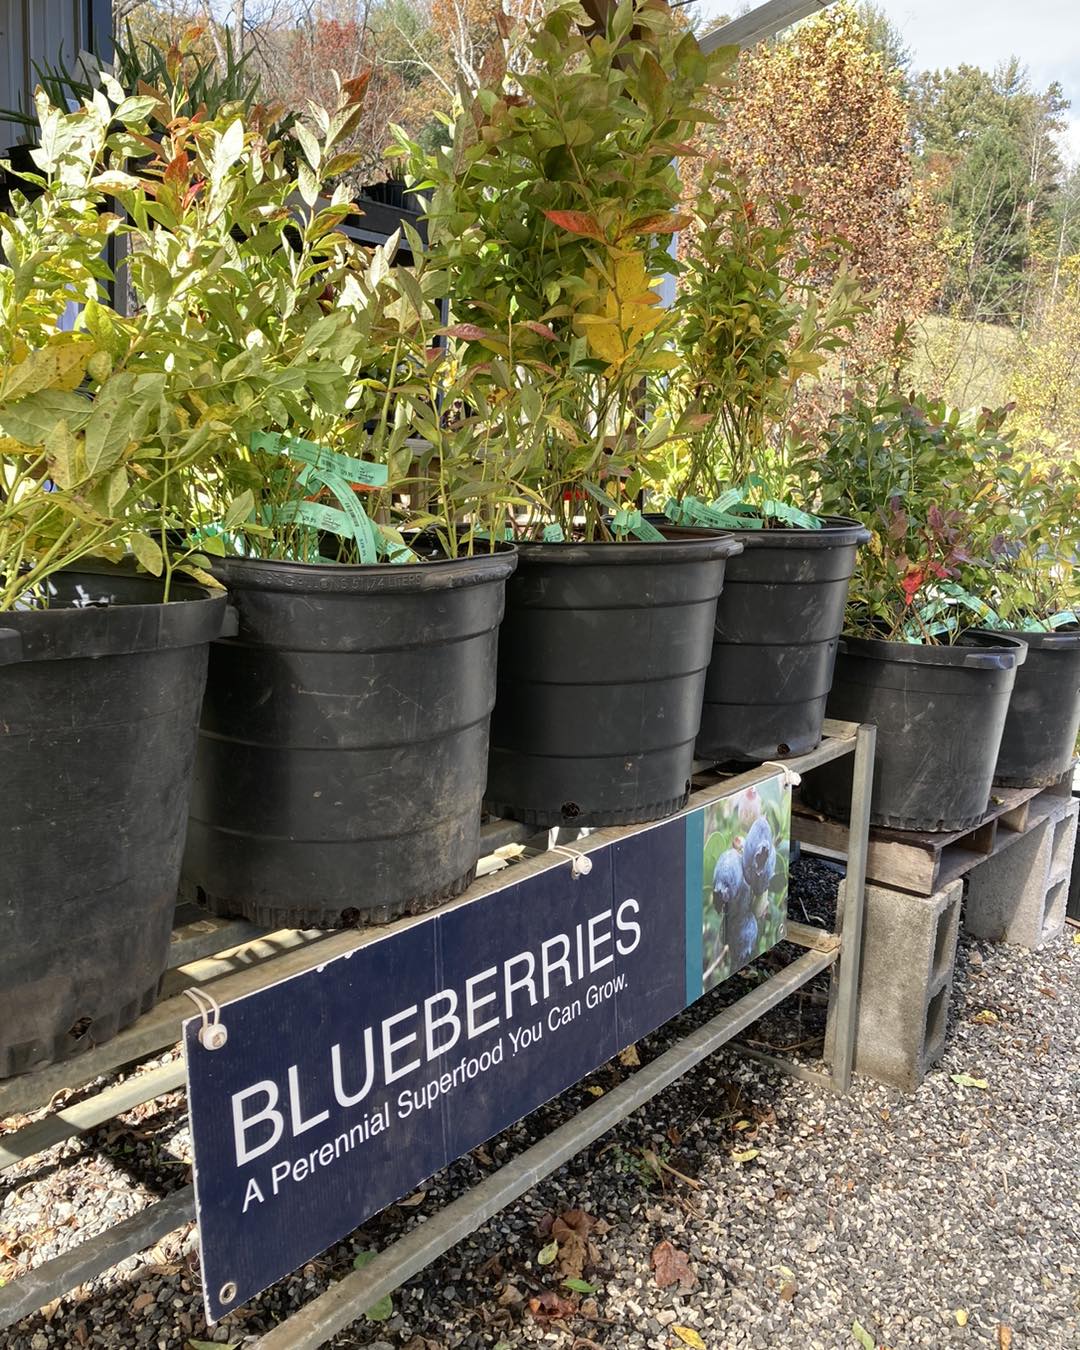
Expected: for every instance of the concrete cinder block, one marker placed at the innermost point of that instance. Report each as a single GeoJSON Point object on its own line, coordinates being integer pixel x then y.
{"type": "Point", "coordinates": [1019, 895]}
{"type": "Point", "coordinates": [905, 979]}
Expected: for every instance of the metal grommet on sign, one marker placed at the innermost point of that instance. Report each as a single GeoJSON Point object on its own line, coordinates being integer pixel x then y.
{"type": "Point", "coordinates": [791, 778]}
{"type": "Point", "coordinates": [227, 1293]}
{"type": "Point", "coordinates": [213, 1033]}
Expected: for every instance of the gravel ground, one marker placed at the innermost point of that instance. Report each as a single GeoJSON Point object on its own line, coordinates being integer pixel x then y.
{"type": "Point", "coordinates": [794, 1219]}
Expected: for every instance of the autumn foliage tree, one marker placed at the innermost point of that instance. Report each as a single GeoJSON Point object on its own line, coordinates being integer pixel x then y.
{"type": "Point", "coordinates": [820, 114]}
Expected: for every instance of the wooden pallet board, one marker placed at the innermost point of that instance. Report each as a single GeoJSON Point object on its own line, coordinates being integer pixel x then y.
{"type": "Point", "coordinates": [922, 862]}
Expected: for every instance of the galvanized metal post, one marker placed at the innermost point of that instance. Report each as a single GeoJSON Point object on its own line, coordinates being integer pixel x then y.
{"type": "Point", "coordinates": [849, 920]}
{"type": "Point", "coordinates": [763, 22]}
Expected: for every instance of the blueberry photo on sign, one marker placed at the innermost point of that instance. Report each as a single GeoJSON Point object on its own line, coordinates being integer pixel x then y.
{"type": "Point", "coordinates": [744, 877]}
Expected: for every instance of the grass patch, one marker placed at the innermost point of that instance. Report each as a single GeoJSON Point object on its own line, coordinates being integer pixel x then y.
{"type": "Point", "coordinates": [965, 362]}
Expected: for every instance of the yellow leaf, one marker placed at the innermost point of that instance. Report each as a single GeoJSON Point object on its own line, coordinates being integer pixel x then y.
{"type": "Point", "coordinates": [148, 553]}
{"type": "Point", "coordinates": [629, 1058]}
{"type": "Point", "coordinates": [58, 366]}
{"type": "Point", "coordinates": [595, 1091]}
{"type": "Point", "coordinates": [689, 1337]}
{"type": "Point", "coordinates": [961, 1317]}
{"type": "Point", "coordinates": [985, 1018]}
{"type": "Point", "coordinates": [747, 1155]}
{"type": "Point", "coordinates": [66, 465]}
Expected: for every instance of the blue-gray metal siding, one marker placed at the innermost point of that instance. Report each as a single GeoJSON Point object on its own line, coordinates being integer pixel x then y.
{"type": "Point", "coordinates": [45, 32]}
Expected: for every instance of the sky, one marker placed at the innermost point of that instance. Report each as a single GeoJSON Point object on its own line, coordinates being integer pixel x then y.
{"type": "Point", "coordinates": [1043, 34]}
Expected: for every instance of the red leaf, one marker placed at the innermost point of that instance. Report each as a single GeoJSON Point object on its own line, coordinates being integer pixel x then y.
{"type": "Point", "coordinates": [911, 582]}
{"type": "Point", "coordinates": [541, 330]}
{"type": "Point", "coordinates": [661, 222]}
{"type": "Point", "coordinates": [577, 222]}
{"type": "Point", "coordinates": [469, 331]}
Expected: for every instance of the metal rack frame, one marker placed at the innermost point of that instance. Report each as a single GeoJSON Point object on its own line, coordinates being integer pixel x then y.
{"type": "Point", "coordinates": [233, 958]}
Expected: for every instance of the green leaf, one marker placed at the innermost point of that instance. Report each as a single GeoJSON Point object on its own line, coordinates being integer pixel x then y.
{"type": "Point", "coordinates": [966, 1080]}
{"type": "Point", "coordinates": [863, 1336]}
{"type": "Point", "coordinates": [136, 108]}
{"type": "Point", "coordinates": [547, 1254]}
{"type": "Point", "coordinates": [112, 423]}
{"type": "Point", "coordinates": [239, 509]}
{"type": "Point", "coordinates": [580, 1286]}
{"type": "Point", "coordinates": [384, 1309]}
{"type": "Point", "coordinates": [147, 553]}
{"type": "Point", "coordinates": [33, 418]}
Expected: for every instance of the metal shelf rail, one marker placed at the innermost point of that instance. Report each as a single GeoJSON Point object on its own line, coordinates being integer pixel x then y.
{"type": "Point", "coordinates": [231, 958]}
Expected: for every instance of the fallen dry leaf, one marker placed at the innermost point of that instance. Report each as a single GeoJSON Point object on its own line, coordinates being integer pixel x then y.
{"type": "Point", "coordinates": [788, 1290]}
{"type": "Point", "coordinates": [143, 1301]}
{"type": "Point", "coordinates": [629, 1058]}
{"type": "Point", "coordinates": [689, 1337]}
{"type": "Point", "coordinates": [511, 1297]}
{"type": "Point", "coordinates": [549, 1304]}
{"type": "Point", "coordinates": [571, 1231]}
{"type": "Point", "coordinates": [671, 1266]}
{"type": "Point", "coordinates": [1004, 1336]}
{"type": "Point", "coordinates": [961, 1316]}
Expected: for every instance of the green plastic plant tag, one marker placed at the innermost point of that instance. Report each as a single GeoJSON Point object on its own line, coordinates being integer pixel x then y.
{"type": "Point", "coordinates": [791, 515]}
{"type": "Point", "coordinates": [553, 534]}
{"type": "Point", "coordinates": [321, 458]}
{"type": "Point", "coordinates": [690, 511]}
{"type": "Point", "coordinates": [363, 532]}
{"type": "Point", "coordinates": [1062, 618]}
{"type": "Point", "coordinates": [633, 522]}
{"type": "Point", "coordinates": [315, 515]}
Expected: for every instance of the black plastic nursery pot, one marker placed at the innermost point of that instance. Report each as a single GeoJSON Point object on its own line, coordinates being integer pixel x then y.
{"type": "Point", "coordinates": [778, 622]}
{"type": "Point", "coordinates": [1039, 740]}
{"type": "Point", "coordinates": [344, 738]}
{"type": "Point", "coordinates": [602, 659]}
{"type": "Point", "coordinates": [940, 713]}
{"type": "Point", "coordinates": [99, 701]}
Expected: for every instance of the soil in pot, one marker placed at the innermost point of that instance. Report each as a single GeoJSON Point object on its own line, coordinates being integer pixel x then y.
{"type": "Point", "coordinates": [344, 738]}
{"type": "Point", "coordinates": [99, 700]}
{"type": "Point", "coordinates": [778, 622]}
{"type": "Point", "coordinates": [602, 659]}
{"type": "Point", "coordinates": [940, 713]}
{"type": "Point", "coordinates": [1039, 741]}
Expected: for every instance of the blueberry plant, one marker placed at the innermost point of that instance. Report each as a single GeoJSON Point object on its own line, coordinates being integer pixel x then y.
{"type": "Point", "coordinates": [552, 210]}
{"type": "Point", "coordinates": [925, 479]}
{"type": "Point", "coordinates": [748, 328]}
{"type": "Point", "coordinates": [94, 438]}
{"type": "Point", "coordinates": [1033, 540]}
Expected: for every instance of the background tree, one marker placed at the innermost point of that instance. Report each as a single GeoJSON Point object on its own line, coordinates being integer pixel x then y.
{"type": "Point", "coordinates": [822, 114]}
{"type": "Point", "coordinates": [987, 144]}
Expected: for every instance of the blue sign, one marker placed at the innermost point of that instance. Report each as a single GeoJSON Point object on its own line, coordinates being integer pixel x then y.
{"type": "Point", "coordinates": [339, 1090]}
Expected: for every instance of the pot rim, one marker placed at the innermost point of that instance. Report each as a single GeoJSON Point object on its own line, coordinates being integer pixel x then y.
{"type": "Point", "coordinates": [267, 574]}
{"type": "Point", "coordinates": [690, 544]}
{"type": "Point", "coordinates": [67, 632]}
{"type": "Point", "coordinates": [1055, 639]}
{"type": "Point", "coordinates": [976, 650]}
{"type": "Point", "coordinates": [837, 532]}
